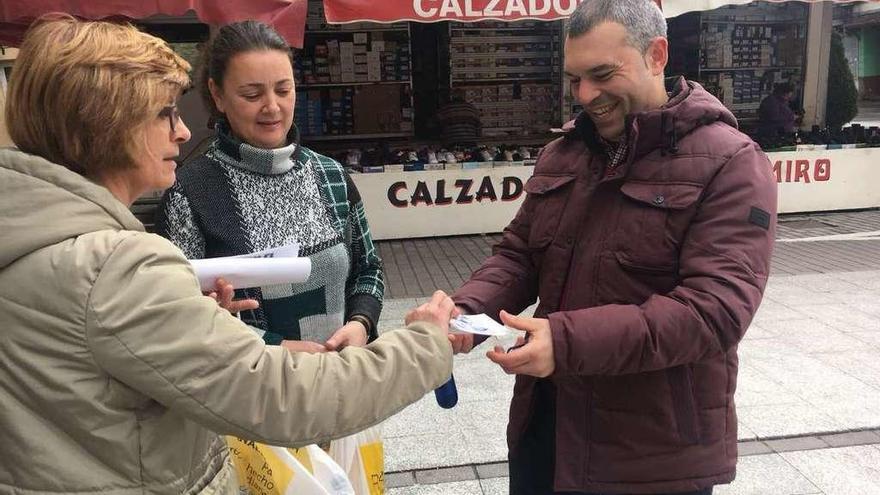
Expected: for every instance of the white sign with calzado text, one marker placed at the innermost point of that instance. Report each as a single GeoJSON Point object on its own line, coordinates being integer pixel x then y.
{"type": "Point", "coordinates": [443, 202]}
{"type": "Point", "coordinates": [827, 180]}
{"type": "Point", "coordinates": [402, 205]}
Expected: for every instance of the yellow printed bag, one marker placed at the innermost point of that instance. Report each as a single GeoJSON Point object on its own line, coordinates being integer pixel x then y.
{"type": "Point", "coordinates": [268, 470]}
{"type": "Point", "coordinates": [362, 458]}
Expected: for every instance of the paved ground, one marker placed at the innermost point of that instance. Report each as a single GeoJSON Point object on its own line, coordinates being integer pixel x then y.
{"type": "Point", "coordinates": [809, 389]}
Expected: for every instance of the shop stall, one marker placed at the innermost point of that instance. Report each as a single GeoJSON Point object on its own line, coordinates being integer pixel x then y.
{"type": "Point", "coordinates": [484, 200]}
{"type": "Point", "coordinates": [372, 79]}
{"type": "Point", "coordinates": [505, 58]}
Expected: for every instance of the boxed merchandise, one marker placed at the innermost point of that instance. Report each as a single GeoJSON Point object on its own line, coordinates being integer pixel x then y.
{"type": "Point", "coordinates": [377, 109]}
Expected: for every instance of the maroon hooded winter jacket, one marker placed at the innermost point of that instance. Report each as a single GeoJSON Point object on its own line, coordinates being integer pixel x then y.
{"type": "Point", "coordinates": [650, 274]}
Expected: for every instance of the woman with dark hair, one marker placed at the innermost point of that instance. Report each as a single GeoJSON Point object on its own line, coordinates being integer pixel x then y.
{"type": "Point", "coordinates": [118, 375]}
{"type": "Point", "coordinates": [256, 188]}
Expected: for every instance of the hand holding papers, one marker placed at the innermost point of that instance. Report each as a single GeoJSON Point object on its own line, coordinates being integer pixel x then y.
{"type": "Point", "coordinates": [274, 266]}
{"type": "Point", "coordinates": [480, 324]}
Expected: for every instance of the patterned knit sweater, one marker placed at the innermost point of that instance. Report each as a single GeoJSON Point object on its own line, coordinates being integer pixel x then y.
{"type": "Point", "coordinates": [239, 199]}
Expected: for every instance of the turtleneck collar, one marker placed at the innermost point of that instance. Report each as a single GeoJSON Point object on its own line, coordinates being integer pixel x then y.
{"type": "Point", "coordinates": [265, 161]}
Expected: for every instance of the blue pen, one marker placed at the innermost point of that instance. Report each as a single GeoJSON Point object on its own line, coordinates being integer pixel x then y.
{"type": "Point", "coordinates": [447, 394]}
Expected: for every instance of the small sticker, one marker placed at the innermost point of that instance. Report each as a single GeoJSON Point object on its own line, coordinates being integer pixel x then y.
{"type": "Point", "coordinates": [759, 217]}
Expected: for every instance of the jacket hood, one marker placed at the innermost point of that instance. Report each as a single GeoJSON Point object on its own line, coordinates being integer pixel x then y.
{"type": "Point", "coordinates": [42, 203]}
{"type": "Point", "coordinates": [689, 108]}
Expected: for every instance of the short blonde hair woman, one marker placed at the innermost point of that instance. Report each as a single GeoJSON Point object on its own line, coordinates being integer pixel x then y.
{"type": "Point", "coordinates": [116, 374]}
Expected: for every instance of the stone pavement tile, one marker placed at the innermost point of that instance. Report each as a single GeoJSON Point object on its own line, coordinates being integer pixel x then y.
{"type": "Point", "coordinates": [424, 417]}
{"type": "Point", "coordinates": [795, 296]}
{"type": "Point", "coordinates": [427, 451]}
{"type": "Point", "coordinates": [497, 470]}
{"type": "Point", "coordinates": [772, 311]}
{"type": "Point", "coordinates": [756, 332]}
{"type": "Point", "coordinates": [445, 475]}
{"type": "Point", "coordinates": [798, 443]}
{"type": "Point", "coordinates": [812, 336]}
{"type": "Point", "coordinates": [870, 338]}
{"type": "Point", "coordinates": [866, 303]}
{"type": "Point", "coordinates": [395, 480]}
{"type": "Point", "coordinates": [755, 388]}
{"type": "Point", "coordinates": [852, 438]}
{"type": "Point", "coordinates": [402, 303]}
{"type": "Point", "coordinates": [866, 280]}
{"type": "Point", "coordinates": [754, 447]}
{"type": "Point", "coordinates": [844, 471]}
{"type": "Point", "coordinates": [487, 417]}
{"type": "Point", "coordinates": [786, 420]}
{"type": "Point", "coordinates": [483, 448]}
{"type": "Point", "coordinates": [808, 377]}
{"type": "Point", "coordinates": [825, 282]}
{"type": "Point", "coordinates": [764, 349]}
{"type": "Point", "coordinates": [496, 486]}
{"type": "Point", "coordinates": [767, 475]}
{"type": "Point", "coordinates": [851, 412]}
{"type": "Point", "coordinates": [863, 365]}
{"type": "Point", "coordinates": [744, 433]}
{"type": "Point", "coordinates": [842, 316]}
{"type": "Point", "coordinates": [459, 488]}
{"type": "Point", "coordinates": [479, 379]}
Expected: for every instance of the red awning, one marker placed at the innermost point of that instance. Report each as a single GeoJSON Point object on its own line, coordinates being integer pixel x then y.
{"type": "Point", "coordinates": [286, 16]}
{"type": "Point", "coordinates": [342, 11]}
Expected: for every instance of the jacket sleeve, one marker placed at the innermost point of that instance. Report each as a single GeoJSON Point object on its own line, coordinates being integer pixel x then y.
{"type": "Point", "coordinates": [723, 268]}
{"type": "Point", "coordinates": [365, 286]}
{"type": "Point", "coordinates": [175, 221]}
{"type": "Point", "coordinates": [149, 327]}
{"type": "Point", "coordinates": [506, 280]}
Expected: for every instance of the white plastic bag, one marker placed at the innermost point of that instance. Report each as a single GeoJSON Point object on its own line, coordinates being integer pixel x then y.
{"type": "Point", "coordinates": [269, 470]}
{"type": "Point", "coordinates": [361, 456]}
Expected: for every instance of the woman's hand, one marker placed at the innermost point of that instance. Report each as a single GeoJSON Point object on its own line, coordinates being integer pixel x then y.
{"type": "Point", "coordinates": [223, 294]}
{"type": "Point", "coordinates": [303, 346]}
{"type": "Point", "coordinates": [352, 333]}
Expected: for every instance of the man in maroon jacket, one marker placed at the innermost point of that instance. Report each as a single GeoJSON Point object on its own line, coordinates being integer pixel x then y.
{"type": "Point", "coordinates": [646, 237]}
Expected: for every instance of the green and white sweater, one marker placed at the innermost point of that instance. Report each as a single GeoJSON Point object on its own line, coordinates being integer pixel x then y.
{"type": "Point", "coordinates": [239, 199]}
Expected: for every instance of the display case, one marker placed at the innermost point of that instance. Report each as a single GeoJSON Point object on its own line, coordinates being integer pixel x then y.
{"type": "Point", "coordinates": [511, 72]}
{"type": "Point", "coordinates": [354, 81]}
{"type": "Point", "coordinates": [739, 53]}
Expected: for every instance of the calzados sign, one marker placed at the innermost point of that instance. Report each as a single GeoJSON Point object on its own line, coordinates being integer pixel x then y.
{"type": "Point", "coordinates": [460, 192]}
{"type": "Point", "coordinates": [447, 10]}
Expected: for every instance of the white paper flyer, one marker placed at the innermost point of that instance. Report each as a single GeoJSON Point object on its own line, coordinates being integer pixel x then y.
{"type": "Point", "coordinates": [273, 266]}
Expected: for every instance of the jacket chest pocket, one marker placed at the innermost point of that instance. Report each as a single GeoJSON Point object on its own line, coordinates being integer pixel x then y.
{"type": "Point", "coordinates": [548, 195]}
{"type": "Point", "coordinates": [653, 219]}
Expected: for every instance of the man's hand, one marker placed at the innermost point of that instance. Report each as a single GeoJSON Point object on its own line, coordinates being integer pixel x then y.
{"type": "Point", "coordinates": [223, 294]}
{"type": "Point", "coordinates": [303, 346]}
{"type": "Point", "coordinates": [461, 342]}
{"type": "Point", "coordinates": [437, 311]}
{"type": "Point", "coordinates": [535, 357]}
{"type": "Point", "coordinates": [352, 333]}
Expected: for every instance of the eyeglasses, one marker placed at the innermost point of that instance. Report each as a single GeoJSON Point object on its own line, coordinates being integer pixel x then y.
{"type": "Point", "coordinates": [173, 115]}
